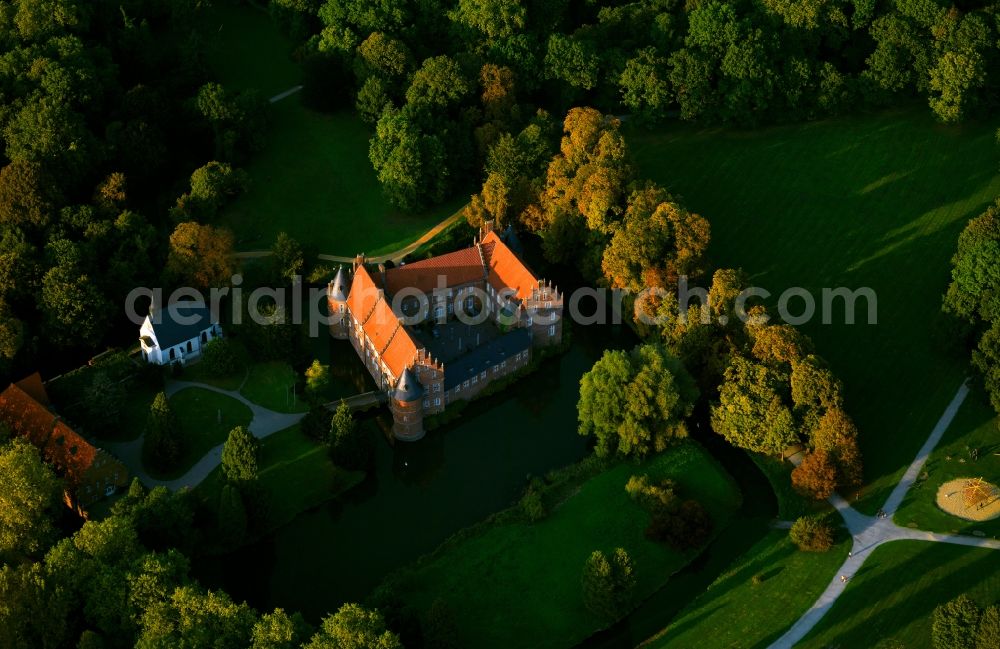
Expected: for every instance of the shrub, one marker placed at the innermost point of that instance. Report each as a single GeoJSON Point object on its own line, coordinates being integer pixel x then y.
{"type": "Point", "coordinates": [811, 534]}
{"type": "Point", "coordinates": [223, 357]}
{"type": "Point", "coordinates": [688, 526]}
{"type": "Point", "coordinates": [533, 506]}
{"type": "Point", "coordinates": [316, 424]}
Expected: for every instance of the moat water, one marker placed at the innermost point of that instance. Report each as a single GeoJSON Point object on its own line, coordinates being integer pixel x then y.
{"type": "Point", "coordinates": [418, 494]}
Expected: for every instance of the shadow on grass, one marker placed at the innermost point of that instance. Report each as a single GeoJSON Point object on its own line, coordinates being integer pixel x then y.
{"type": "Point", "coordinates": [857, 619]}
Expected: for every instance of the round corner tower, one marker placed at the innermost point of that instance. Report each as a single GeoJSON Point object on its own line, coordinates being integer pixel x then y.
{"type": "Point", "coordinates": [406, 403]}
{"type": "Point", "coordinates": [336, 296]}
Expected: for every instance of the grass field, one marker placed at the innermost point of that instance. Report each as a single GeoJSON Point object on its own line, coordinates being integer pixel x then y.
{"type": "Point", "coordinates": [296, 472]}
{"type": "Point", "coordinates": [271, 385]}
{"type": "Point", "coordinates": [518, 584]}
{"type": "Point", "coordinates": [205, 419]}
{"type": "Point", "coordinates": [975, 426]}
{"type": "Point", "coordinates": [894, 594]}
{"type": "Point", "coordinates": [734, 612]}
{"type": "Point", "coordinates": [313, 179]}
{"type": "Point", "coordinates": [874, 201]}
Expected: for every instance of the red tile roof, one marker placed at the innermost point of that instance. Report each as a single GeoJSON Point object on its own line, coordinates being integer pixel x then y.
{"type": "Point", "coordinates": [34, 388]}
{"type": "Point", "coordinates": [24, 413]}
{"type": "Point", "coordinates": [26, 417]}
{"type": "Point", "coordinates": [452, 269]}
{"type": "Point", "coordinates": [492, 260]}
{"type": "Point", "coordinates": [506, 270]}
{"type": "Point", "coordinates": [69, 453]}
{"type": "Point", "coordinates": [379, 323]}
{"type": "Point", "coordinates": [364, 294]}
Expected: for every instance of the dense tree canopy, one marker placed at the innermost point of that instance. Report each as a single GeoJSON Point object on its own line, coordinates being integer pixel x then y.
{"type": "Point", "coordinates": [29, 496]}
{"type": "Point", "coordinates": [974, 294]}
{"type": "Point", "coordinates": [635, 402]}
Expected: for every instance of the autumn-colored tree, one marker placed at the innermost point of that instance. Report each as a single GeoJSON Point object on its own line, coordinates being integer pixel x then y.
{"type": "Point", "coordinates": [201, 255]}
{"type": "Point", "coordinates": [497, 82]}
{"type": "Point", "coordinates": [727, 284]}
{"type": "Point", "coordinates": [112, 193]}
{"type": "Point", "coordinates": [779, 343]}
{"type": "Point", "coordinates": [655, 235]}
{"type": "Point", "coordinates": [837, 434]}
{"type": "Point", "coordinates": [816, 476]}
{"type": "Point", "coordinates": [814, 385]}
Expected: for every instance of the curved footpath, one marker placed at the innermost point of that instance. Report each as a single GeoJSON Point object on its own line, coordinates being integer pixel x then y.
{"type": "Point", "coordinates": [264, 423]}
{"type": "Point", "coordinates": [869, 532]}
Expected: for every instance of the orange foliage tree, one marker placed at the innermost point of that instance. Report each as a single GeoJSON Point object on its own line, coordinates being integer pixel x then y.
{"type": "Point", "coordinates": [816, 476]}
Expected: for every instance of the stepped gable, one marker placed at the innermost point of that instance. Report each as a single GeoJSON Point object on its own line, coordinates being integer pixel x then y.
{"type": "Point", "coordinates": [506, 270]}
{"type": "Point", "coordinates": [460, 267]}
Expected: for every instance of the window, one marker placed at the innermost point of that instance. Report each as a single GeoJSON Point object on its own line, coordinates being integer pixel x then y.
{"type": "Point", "coordinates": [427, 403]}
{"type": "Point", "coordinates": [548, 305]}
{"type": "Point", "coordinates": [437, 387]}
{"type": "Point", "coordinates": [173, 353]}
{"type": "Point", "coordinates": [342, 307]}
{"type": "Point", "coordinates": [437, 402]}
{"type": "Point", "coordinates": [483, 375]}
{"type": "Point", "coordinates": [503, 364]}
{"type": "Point", "coordinates": [552, 330]}
{"type": "Point", "coordinates": [189, 347]}
{"type": "Point", "coordinates": [475, 380]}
{"type": "Point", "coordinates": [204, 337]}
{"type": "Point", "coordinates": [465, 386]}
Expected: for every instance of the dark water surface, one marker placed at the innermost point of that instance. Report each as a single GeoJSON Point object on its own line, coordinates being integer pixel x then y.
{"type": "Point", "coordinates": [419, 493]}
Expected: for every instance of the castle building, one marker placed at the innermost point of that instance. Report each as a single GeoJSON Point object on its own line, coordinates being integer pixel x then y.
{"type": "Point", "coordinates": [441, 330]}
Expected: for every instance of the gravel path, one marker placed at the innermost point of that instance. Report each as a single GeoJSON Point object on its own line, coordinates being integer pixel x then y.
{"type": "Point", "coordinates": [869, 532]}
{"type": "Point", "coordinates": [265, 422]}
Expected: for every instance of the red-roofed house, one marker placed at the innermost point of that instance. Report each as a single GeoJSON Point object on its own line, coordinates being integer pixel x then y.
{"type": "Point", "coordinates": [89, 473]}
{"type": "Point", "coordinates": [394, 317]}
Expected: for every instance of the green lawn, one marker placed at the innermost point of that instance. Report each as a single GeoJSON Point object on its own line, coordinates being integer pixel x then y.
{"type": "Point", "coordinates": [205, 419]}
{"type": "Point", "coordinates": [271, 385]}
{"type": "Point", "coordinates": [893, 596]}
{"type": "Point", "coordinates": [198, 373]}
{"type": "Point", "coordinates": [975, 426]}
{"type": "Point", "coordinates": [518, 584]}
{"type": "Point", "coordinates": [874, 201]}
{"type": "Point", "coordinates": [297, 473]}
{"type": "Point", "coordinates": [313, 179]}
{"type": "Point", "coordinates": [734, 612]}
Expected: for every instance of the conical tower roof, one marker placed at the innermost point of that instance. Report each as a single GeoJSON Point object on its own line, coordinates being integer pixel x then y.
{"type": "Point", "coordinates": [408, 388]}
{"type": "Point", "coordinates": [339, 287]}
